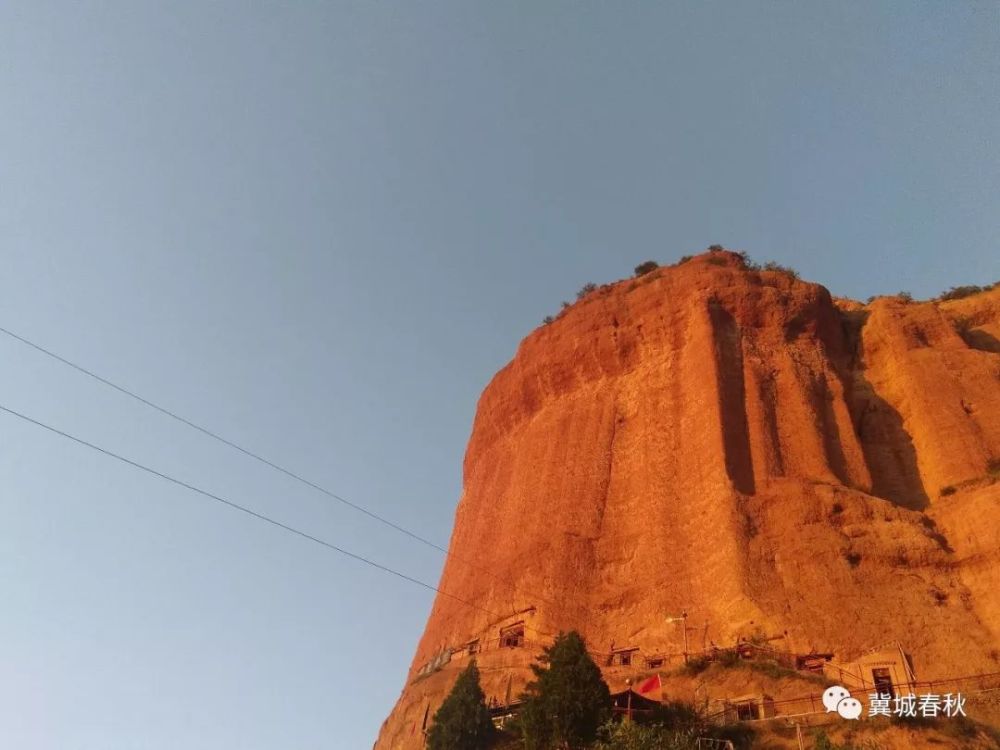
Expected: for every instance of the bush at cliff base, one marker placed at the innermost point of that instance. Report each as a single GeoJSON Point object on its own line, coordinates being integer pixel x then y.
{"type": "Point", "coordinates": [463, 721]}
{"type": "Point", "coordinates": [567, 701]}
{"type": "Point", "coordinates": [673, 726]}
{"type": "Point", "coordinates": [629, 735]}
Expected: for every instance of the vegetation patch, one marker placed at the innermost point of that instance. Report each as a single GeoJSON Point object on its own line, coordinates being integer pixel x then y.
{"type": "Point", "coordinates": [646, 267]}
{"type": "Point", "coordinates": [778, 268]}
{"type": "Point", "coordinates": [696, 665]}
{"type": "Point", "coordinates": [568, 701]}
{"type": "Point", "coordinates": [674, 726]}
{"type": "Point", "coordinates": [961, 292]}
{"type": "Point", "coordinates": [776, 671]}
{"type": "Point", "coordinates": [748, 263]}
{"type": "Point", "coordinates": [463, 721]}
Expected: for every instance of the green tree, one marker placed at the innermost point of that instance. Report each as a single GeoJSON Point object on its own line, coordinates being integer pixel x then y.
{"type": "Point", "coordinates": [567, 701]}
{"type": "Point", "coordinates": [463, 721]}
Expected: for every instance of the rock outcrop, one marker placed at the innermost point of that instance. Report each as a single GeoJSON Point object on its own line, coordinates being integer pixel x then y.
{"type": "Point", "coordinates": [739, 446]}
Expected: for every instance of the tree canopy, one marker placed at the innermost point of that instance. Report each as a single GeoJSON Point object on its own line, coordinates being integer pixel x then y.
{"type": "Point", "coordinates": [567, 701]}
{"type": "Point", "coordinates": [463, 721]}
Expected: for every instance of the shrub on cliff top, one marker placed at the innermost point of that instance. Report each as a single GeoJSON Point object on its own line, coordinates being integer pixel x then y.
{"type": "Point", "coordinates": [747, 261]}
{"type": "Point", "coordinates": [568, 699]}
{"type": "Point", "coordinates": [463, 721]}
{"type": "Point", "coordinates": [715, 248]}
{"type": "Point", "coordinates": [648, 267]}
{"type": "Point", "coordinates": [778, 268]}
{"type": "Point", "coordinates": [585, 290]}
{"type": "Point", "coordinates": [960, 292]}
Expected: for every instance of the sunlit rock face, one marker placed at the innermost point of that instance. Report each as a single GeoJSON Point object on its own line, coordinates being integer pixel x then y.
{"type": "Point", "coordinates": [740, 446]}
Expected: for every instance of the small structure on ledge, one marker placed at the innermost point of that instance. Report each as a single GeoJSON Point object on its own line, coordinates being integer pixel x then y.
{"type": "Point", "coordinates": [744, 708]}
{"type": "Point", "coordinates": [885, 670]}
{"type": "Point", "coordinates": [629, 704]}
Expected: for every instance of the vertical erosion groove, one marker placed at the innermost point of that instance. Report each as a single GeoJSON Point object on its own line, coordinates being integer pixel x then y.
{"type": "Point", "coordinates": [732, 398]}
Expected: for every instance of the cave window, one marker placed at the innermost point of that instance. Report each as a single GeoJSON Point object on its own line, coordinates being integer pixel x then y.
{"type": "Point", "coordinates": [746, 711]}
{"type": "Point", "coordinates": [473, 647]}
{"type": "Point", "coordinates": [512, 636]}
{"type": "Point", "coordinates": [883, 682]}
{"type": "Point", "coordinates": [623, 658]}
{"type": "Point", "coordinates": [654, 663]}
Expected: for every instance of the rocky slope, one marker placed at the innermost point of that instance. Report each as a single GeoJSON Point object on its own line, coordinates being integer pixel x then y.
{"type": "Point", "coordinates": [740, 446]}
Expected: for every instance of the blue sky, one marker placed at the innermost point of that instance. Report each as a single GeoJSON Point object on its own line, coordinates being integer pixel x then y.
{"type": "Point", "coordinates": [319, 229]}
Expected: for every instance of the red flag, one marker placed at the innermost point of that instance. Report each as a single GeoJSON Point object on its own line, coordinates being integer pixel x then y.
{"type": "Point", "coordinates": [653, 683]}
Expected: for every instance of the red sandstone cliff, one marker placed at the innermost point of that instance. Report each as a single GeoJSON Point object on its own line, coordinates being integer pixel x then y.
{"type": "Point", "coordinates": [738, 445]}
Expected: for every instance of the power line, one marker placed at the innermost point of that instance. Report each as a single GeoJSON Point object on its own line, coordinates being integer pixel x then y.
{"type": "Point", "coordinates": [237, 506]}
{"type": "Point", "coordinates": [267, 462]}
{"type": "Point", "coordinates": [254, 514]}
{"type": "Point", "coordinates": [221, 439]}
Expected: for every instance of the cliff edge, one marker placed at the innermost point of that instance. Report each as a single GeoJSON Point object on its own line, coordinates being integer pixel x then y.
{"type": "Point", "coordinates": [737, 445]}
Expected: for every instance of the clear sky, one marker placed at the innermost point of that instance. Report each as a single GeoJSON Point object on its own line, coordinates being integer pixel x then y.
{"type": "Point", "coordinates": [319, 229]}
